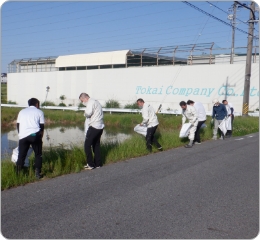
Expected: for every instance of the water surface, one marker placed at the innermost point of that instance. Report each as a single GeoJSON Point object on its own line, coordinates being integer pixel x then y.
{"type": "Point", "coordinates": [57, 136]}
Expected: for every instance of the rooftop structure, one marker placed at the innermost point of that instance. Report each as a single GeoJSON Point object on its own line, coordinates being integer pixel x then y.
{"type": "Point", "coordinates": [203, 53]}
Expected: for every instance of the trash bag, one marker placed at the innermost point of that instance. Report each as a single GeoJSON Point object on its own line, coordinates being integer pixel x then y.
{"type": "Point", "coordinates": [141, 129]}
{"type": "Point", "coordinates": [228, 123]}
{"type": "Point", "coordinates": [222, 126]}
{"type": "Point", "coordinates": [15, 156]}
{"type": "Point", "coordinates": [86, 125]}
{"type": "Point", "coordinates": [185, 130]}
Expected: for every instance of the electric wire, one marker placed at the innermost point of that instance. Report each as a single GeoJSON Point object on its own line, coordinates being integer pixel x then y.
{"type": "Point", "coordinates": [91, 24]}
{"type": "Point", "coordinates": [185, 29]}
{"type": "Point", "coordinates": [77, 18]}
{"type": "Point", "coordinates": [118, 40]}
{"type": "Point", "coordinates": [228, 24]}
{"type": "Point", "coordinates": [203, 27]}
{"type": "Point", "coordinates": [109, 31]}
{"type": "Point", "coordinates": [39, 9]}
{"type": "Point", "coordinates": [61, 14]}
{"type": "Point", "coordinates": [228, 13]}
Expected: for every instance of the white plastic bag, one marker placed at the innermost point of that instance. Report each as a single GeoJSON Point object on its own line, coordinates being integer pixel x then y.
{"type": "Point", "coordinates": [185, 130]}
{"type": "Point", "coordinates": [222, 126]}
{"type": "Point", "coordinates": [86, 125]}
{"type": "Point", "coordinates": [228, 123]}
{"type": "Point", "coordinates": [141, 129]}
{"type": "Point", "coordinates": [15, 156]}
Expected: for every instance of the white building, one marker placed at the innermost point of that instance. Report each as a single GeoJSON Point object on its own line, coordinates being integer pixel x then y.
{"type": "Point", "coordinates": [125, 76]}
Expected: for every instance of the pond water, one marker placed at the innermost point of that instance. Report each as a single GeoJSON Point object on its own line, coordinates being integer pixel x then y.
{"type": "Point", "coordinates": [57, 136]}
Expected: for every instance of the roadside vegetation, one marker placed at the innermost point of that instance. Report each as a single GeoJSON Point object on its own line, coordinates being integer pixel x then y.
{"type": "Point", "coordinates": [3, 93]}
{"type": "Point", "coordinates": [59, 161]}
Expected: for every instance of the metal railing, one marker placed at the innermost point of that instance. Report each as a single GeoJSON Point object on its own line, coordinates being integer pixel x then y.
{"type": "Point", "coordinates": [123, 110]}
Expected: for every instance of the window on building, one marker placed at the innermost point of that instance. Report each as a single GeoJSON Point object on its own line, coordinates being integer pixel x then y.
{"type": "Point", "coordinates": [70, 68]}
{"type": "Point", "coordinates": [105, 66]}
{"type": "Point", "coordinates": [82, 68]}
{"type": "Point", "coordinates": [119, 66]}
{"type": "Point", "coordinates": [92, 67]}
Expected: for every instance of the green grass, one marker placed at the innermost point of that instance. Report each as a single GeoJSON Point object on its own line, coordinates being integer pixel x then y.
{"type": "Point", "coordinates": [59, 161]}
{"type": "Point", "coordinates": [3, 93]}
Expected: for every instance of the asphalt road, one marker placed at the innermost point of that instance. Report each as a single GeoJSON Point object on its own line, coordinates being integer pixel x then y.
{"type": "Point", "coordinates": [210, 191]}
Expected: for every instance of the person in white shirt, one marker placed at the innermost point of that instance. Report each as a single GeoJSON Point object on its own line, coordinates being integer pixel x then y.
{"type": "Point", "coordinates": [151, 121]}
{"type": "Point", "coordinates": [190, 113]}
{"type": "Point", "coordinates": [94, 115]}
{"type": "Point", "coordinates": [30, 126]}
{"type": "Point", "coordinates": [201, 118]}
{"type": "Point", "coordinates": [230, 111]}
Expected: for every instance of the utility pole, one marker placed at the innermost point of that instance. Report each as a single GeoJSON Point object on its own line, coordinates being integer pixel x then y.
{"type": "Point", "coordinates": [233, 32]}
{"type": "Point", "coordinates": [248, 60]}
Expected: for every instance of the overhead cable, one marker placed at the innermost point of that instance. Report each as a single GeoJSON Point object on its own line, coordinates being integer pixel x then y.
{"type": "Point", "coordinates": [218, 19]}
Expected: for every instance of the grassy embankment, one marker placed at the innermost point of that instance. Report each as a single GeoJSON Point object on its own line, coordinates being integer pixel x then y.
{"type": "Point", "coordinates": [3, 93]}
{"type": "Point", "coordinates": [59, 161]}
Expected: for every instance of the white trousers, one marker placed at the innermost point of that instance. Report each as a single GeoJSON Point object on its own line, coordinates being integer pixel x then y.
{"type": "Point", "coordinates": [216, 124]}
{"type": "Point", "coordinates": [192, 131]}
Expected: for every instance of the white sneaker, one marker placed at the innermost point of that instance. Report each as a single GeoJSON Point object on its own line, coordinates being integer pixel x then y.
{"type": "Point", "coordinates": [221, 138]}
{"type": "Point", "coordinates": [214, 138]}
{"type": "Point", "coordinates": [88, 167]}
{"type": "Point", "coordinates": [197, 142]}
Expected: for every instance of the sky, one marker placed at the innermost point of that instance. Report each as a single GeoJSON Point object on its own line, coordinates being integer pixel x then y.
{"type": "Point", "coordinates": [33, 29]}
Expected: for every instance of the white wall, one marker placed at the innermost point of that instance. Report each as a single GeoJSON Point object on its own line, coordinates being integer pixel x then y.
{"type": "Point", "coordinates": [157, 85]}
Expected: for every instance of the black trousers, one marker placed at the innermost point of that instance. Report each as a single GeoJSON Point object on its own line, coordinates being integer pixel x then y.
{"type": "Point", "coordinates": [93, 140]}
{"type": "Point", "coordinates": [197, 133]}
{"type": "Point", "coordinates": [150, 139]}
{"type": "Point", "coordinates": [24, 144]}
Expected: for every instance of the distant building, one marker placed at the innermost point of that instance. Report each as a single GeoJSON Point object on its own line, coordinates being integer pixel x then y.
{"type": "Point", "coordinates": [3, 77]}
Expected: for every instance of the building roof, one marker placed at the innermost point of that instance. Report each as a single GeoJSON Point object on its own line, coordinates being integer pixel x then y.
{"type": "Point", "coordinates": [93, 59]}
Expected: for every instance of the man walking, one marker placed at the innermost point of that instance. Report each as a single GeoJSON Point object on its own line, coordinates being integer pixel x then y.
{"type": "Point", "coordinates": [201, 118]}
{"type": "Point", "coordinates": [30, 126]}
{"type": "Point", "coordinates": [219, 112]}
{"type": "Point", "coordinates": [94, 113]}
{"type": "Point", "coordinates": [189, 112]}
{"type": "Point", "coordinates": [230, 112]}
{"type": "Point", "coordinates": [151, 121]}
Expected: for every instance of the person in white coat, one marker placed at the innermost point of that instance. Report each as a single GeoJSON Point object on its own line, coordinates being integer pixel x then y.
{"type": "Point", "coordinates": [94, 115]}
{"type": "Point", "coordinates": [201, 118]}
{"type": "Point", "coordinates": [151, 121]}
{"type": "Point", "coordinates": [190, 113]}
{"type": "Point", "coordinates": [30, 126]}
{"type": "Point", "coordinates": [230, 112]}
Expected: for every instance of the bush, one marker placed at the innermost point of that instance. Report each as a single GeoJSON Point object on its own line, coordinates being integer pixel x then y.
{"type": "Point", "coordinates": [112, 104]}
{"type": "Point", "coordinates": [81, 105]}
{"type": "Point", "coordinates": [62, 105]}
{"type": "Point", "coordinates": [62, 97]}
{"type": "Point", "coordinates": [48, 103]}
{"type": "Point", "coordinates": [131, 106]}
{"type": "Point", "coordinates": [11, 102]}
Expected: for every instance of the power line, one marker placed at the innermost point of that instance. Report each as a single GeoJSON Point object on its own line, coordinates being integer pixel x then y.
{"type": "Point", "coordinates": [68, 20]}
{"type": "Point", "coordinates": [117, 30]}
{"type": "Point", "coordinates": [23, 7]}
{"type": "Point", "coordinates": [56, 15]}
{"type": "Point", "coordinates": [38, 10]}
{"type": "Point", "coordinates": [228, 13]}
{"type": "Point", "coordinates": [159, 40]}
{"type": "Point", "coordinates": [90, 24]}
{"type": "Point", "coordinates": [203, 27]}
{"type": "Point", "coordinates": [208, 14]}
{"type": "Point", "coordinates": [225, 12]}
